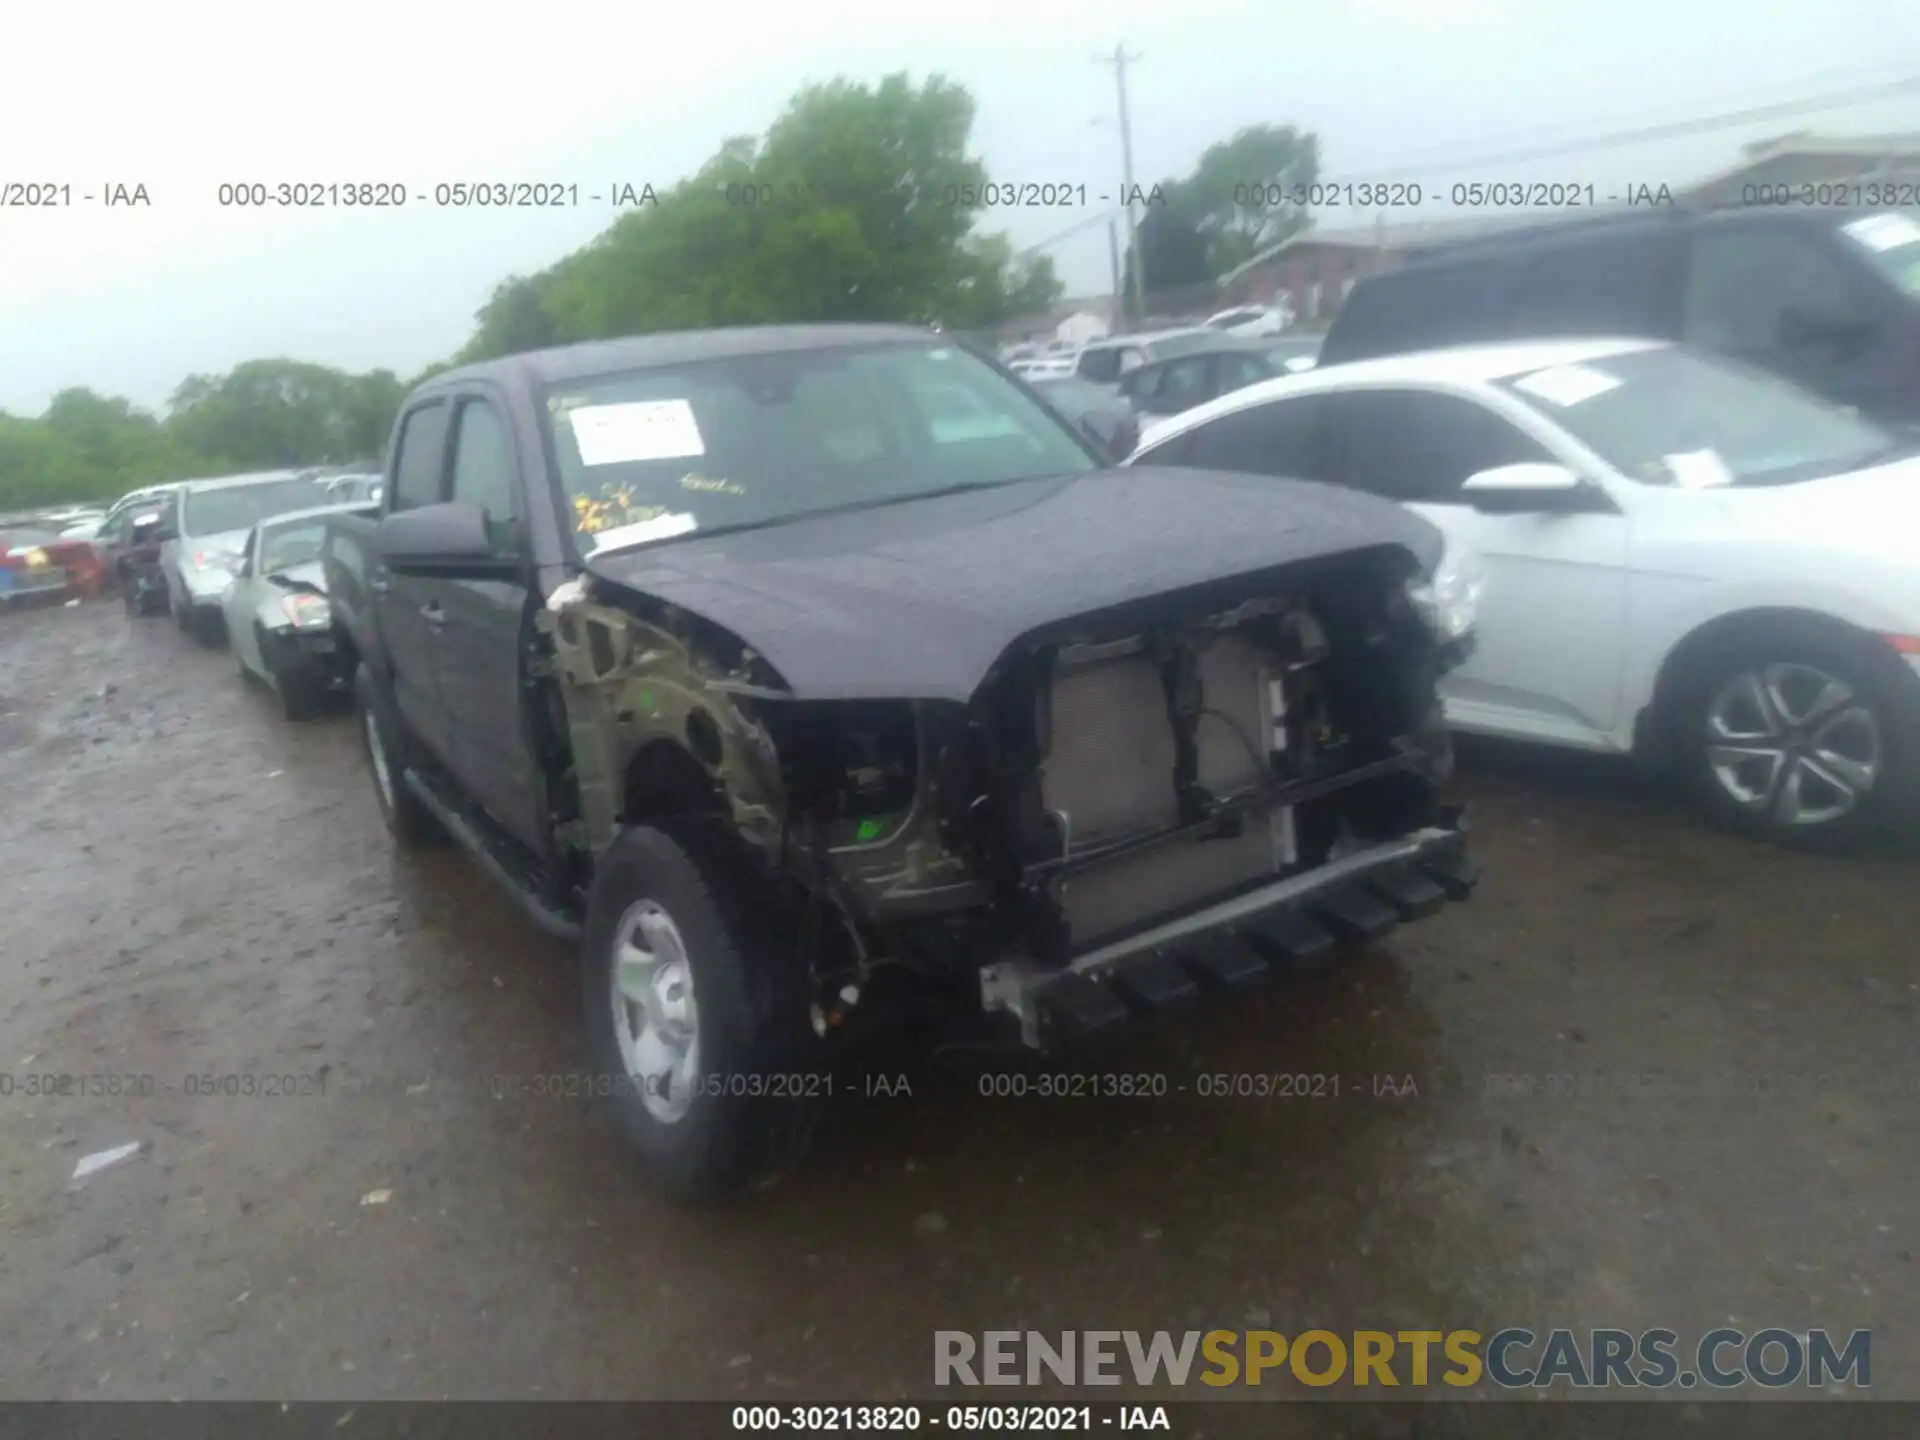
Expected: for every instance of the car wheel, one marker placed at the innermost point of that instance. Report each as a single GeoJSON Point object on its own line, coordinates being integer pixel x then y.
{"type": "Point", "coordinates": [696, 1013]}
{"type": "Point", "coordinates": [299, 699]}
{"type": "Point", "coordinates": [1796, 742]}
{"type": "Point", "coordinates": [182, 612]}
{"type": "Point", "coordinates": [388, 748]}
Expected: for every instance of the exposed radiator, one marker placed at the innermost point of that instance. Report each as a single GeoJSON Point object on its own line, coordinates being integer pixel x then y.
{"type": "Point", "coordinates": [1110, 773]}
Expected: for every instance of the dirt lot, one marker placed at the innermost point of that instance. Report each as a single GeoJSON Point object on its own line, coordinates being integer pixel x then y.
{"type": "Point", "coordinates": [196, 889]}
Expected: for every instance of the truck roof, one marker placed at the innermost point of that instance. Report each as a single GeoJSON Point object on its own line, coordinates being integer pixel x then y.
{"type": "Point", "coordinates": [672, 347]}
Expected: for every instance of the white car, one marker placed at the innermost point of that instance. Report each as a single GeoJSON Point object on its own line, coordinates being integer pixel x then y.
{"type": "Point", "coordinates": [1043, 369]}
{"type": "Point", "coordinates": [1675, 556]}
{"type": "Point", "coordinates": [1253, 321]}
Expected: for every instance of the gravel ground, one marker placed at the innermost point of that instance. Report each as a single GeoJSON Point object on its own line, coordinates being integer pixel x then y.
{"type": "Point", "coordinates": [1721, 1127]}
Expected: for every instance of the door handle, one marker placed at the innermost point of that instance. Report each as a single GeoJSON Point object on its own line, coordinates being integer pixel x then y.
{"type": "Point", "coordinates": [433, 615]}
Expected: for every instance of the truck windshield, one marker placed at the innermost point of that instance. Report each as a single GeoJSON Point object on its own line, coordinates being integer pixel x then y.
{"type": "Point", "coordinates": [759, 439]}
{"type": "Point", "coordinates": [241, 507]}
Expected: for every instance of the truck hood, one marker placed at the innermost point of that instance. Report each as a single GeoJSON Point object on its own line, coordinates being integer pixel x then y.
{"type": "Point", "coordinates": [919, 599]}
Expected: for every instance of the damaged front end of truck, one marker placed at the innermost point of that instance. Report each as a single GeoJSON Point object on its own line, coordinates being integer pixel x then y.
{"type": "Point", "coordinates": [1178, 793]}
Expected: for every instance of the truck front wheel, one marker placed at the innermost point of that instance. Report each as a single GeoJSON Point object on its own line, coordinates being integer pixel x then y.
{"type": "Point", "coordinates": [697, 1013]}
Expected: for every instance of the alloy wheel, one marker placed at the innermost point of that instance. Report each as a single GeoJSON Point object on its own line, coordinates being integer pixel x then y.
{"type": "Point", "coordinates": [1793, 743]}
{"type": "Point", "coordinates": [655, 1018]}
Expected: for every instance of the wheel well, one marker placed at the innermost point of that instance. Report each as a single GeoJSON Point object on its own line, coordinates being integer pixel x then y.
{"type": "Point", "coordinates": [663, 779]}
{"type": "Point", "coordinates": [1720, 636]}
{"type": "Point", "coordinates": [349, 649]}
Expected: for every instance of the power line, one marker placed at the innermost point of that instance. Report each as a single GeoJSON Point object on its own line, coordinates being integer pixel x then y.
{"type": "Point", "coordinates": [1672, 130]}
{"type": "Point", "coordinates": [1557, 135]}
{"type": "Point", "coordinates": [1699, 125]}
{"type": "Point", "coordinates": [1086, 223]}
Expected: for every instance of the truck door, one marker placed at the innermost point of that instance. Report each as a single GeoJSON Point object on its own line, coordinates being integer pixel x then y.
{"type": "Point", "coordinates": [410, 609]}
{"type": "Point", "coordinates": [482, 642]}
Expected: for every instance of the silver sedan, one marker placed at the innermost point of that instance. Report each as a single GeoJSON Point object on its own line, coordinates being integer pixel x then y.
{"type": "Point", "coordinates": [279, 626]}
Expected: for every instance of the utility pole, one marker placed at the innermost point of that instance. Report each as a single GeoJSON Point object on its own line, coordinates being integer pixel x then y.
{"type": "Point", "coordinates": [1120, 59]}
{"type": "Point", "coordinates": [1118, 319]}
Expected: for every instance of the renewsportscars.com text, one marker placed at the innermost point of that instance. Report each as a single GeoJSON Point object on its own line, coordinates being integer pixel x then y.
{"type": "Point", "coordinates": [1509, 1359]}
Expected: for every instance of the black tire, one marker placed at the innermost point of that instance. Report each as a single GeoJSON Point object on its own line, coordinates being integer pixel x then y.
{"type": "Point", "coordinates": [182, 612]}
{"type": "Point", "coordinates": [299, 698]}
{"type": "Point", "coordinates": [751, 1115]}
{"type": "Point", "coordinates": [1792, 667]}
{"type": "Point", "coordinates": [411, 824]}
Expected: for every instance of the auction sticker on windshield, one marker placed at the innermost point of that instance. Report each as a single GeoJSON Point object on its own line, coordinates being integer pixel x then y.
{"type": "Point", "coordinates": [635, 431]}
{"type": "Point", "coordinates": [1884, 232]}
{"type": "Point", "coordinates": [661, 527]}
{"type": "Point", "coordinates": [1566, 385]}
{"type": "Point", "coordinates": [1698, 470]}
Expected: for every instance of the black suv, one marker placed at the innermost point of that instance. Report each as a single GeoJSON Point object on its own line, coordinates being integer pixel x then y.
{"type": "Point", "coordinates": [1827, 298]}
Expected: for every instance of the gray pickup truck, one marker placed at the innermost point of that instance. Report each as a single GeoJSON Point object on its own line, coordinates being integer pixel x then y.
{"type": "Point", "coordinates": [804, 711]}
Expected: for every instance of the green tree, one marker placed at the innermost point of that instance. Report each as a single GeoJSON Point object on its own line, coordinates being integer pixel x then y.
{"type": "Point", "coordinates": [853, 206]}
{"type": "Point", "coordinates": [991, 284]}
{"type": "Point", "coordinates": [1240, 195]}
{"type": "Point", "coordinates": [1170, 245]}
{"type": "Point", "coordinates": [270, 413]}
{"type": "Point", "coordinates": [516, 318]}
{"type": "Point", "coordinates": [38, 467]}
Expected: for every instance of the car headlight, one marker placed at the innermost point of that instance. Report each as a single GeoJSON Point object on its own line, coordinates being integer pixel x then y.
{"type": "Point", "coordinates": [1449, 600]}
{"type": "Point", "coordinates": [307, 612]}
{"type": "Point", "coordinates": [210, 569]}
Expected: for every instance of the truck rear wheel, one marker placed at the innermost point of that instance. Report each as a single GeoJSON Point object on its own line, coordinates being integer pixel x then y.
{"type": "Point", "coordinates": [696, 1013]}
{"type": "Point", "coordinates": [389, 752]}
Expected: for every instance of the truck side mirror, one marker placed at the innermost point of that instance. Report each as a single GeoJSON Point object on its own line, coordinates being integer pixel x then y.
{"type": "Point", "coordinates": [448, 539]}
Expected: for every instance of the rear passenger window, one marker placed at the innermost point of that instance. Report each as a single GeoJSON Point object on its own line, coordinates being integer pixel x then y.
{"type": "Point", "coordinates": [1140, 385]}
{"type": "Point", "coordinates": [1281, 439]}
{"type": "Point", "coordinates": [1414, 445]}
{"type": "Point", "coordinates": [1101, 366]}
{"type": "Point", "coordinates": [1232, 372]}
{"type": "Point", "coordinates": [1183, 384]}
{"type": "Point", "coordinates": [423, 445]}
{"type": "Point", "coordinates": [1615, 288]}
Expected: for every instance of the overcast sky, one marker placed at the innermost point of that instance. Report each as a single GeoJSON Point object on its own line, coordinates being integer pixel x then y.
{"type": "Point", "coordinates": [185, 96]}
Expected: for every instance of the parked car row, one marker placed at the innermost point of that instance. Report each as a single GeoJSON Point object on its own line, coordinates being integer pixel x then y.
{"type": "Point", "coordinates": [1156, 375]}
{"type": "Point", "coordinates": [232, 558]}
{"type": "Point", "coordinates": [38, 565]}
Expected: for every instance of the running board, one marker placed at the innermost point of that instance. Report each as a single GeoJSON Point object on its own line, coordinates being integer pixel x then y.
{"type": "Point", "coordinates": [472, 838]}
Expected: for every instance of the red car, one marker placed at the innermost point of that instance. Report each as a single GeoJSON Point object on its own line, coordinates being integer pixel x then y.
{"type": "Point", "coordinates": [36, 564]}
